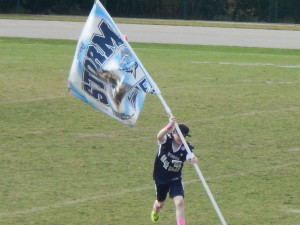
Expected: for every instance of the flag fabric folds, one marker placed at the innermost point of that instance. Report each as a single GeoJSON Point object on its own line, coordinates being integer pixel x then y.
{"type": "Point", "coordinates": [106, 73]}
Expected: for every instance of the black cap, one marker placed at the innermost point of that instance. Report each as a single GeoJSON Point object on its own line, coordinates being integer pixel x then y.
{"type": "Point", "coordinates": [184, 130]}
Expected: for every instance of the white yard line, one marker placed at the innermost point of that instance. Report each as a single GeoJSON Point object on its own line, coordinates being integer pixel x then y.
{"type": "Point", "coordinates": [294, 211]}
{"type": "Point", "coordinates": [248, 64]}
{"type": "Point", "coordinates": [71, 202]}
{"type": "Point", "coordinates": [133, 190]}
{"type": "Point", "coordinates": [33, 99]}
{"type": "Point", "coordinates": [113, 134]}
{"type": "Point", "coordinates": [250, 113]}
{"type": "Point", "coordinates": [292, 66]}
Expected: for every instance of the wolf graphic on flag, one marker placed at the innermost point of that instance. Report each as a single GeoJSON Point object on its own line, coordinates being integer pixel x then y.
{"type": "Point", "coordinates": [106, 73]}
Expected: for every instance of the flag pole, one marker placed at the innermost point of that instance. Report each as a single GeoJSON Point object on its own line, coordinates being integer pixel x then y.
{"type": "Point", "coordinates": [201, 177]}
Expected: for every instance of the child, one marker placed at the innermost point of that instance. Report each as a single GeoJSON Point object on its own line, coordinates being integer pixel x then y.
{"type": "Point", "coordinates": [167, 169]}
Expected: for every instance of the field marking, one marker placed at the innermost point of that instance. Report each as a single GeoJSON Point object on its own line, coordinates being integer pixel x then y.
{"type": "Point", "coordinates": [83, 135]}
{"type": "Point", "coordinates": [113, 134]}
{"type": "Point", "coordinates": [70, 202]}
{"type": "Point", "coordinates": [250, 113]}
{"type": "Point", "coordinates": [132, 190]}
{"type": "Point", "coordinates": [204, 62]}
{"type": "Point", "coordinates": [35, 132]}
{"type": "Point", "coordinates": [246, 64]}
{"type": "Point", "coordinates": [271, 82]}
{"type": "Point", "coordinates": [294, 210]}
{"type": "Point", "coordinates": [249, 64]}
{"type": "Point", "coordinates": [33, 99]}
{"type": "Point", "coordinates": [292, 66]}
{"type": "Point", "coordinates": [201, 52]}
{"type": "Point", "coordinates": [245, 82]}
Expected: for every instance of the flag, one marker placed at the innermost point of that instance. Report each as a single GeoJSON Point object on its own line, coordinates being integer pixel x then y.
{"type": "Point", "coordinates": [106, 73]}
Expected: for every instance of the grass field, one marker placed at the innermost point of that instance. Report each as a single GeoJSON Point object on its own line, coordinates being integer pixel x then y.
{"type": "Point", "coordinates": [64, 163]}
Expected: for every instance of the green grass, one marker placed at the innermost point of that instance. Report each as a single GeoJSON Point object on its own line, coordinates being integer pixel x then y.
{"type": "Point", "coordinates": [202, 23]}
{"type": "Point", "coordinates": [62, 162]}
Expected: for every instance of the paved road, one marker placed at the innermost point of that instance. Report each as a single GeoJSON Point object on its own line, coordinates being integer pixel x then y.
{"type": "Point", "coordinates": [158, 34]}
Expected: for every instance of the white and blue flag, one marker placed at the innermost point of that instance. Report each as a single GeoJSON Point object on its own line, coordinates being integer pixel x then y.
{"type": "Point", "coordinates": [106, 73]}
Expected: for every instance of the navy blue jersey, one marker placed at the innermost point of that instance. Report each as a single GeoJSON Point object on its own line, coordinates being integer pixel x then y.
{"type": "Point", "coordinates": [168, 164]}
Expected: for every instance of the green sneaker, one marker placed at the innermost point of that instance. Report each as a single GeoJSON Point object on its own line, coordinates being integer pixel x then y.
{"type": "Point", "coordinates": [154, 216]}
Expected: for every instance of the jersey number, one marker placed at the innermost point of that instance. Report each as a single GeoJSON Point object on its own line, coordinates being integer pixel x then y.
{"type": "Point", "coordinates": [165, 162]}
{"type": "Point", "coordinates": [177, 164]}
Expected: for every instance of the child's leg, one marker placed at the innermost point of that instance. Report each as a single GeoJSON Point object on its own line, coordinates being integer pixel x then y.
{"type": "Point", "coordinates": [179, 204]}
{"type": "Point", "coordinates": [180, 221]}
{"type": "Point", "coordinates": [161, 195]}
{"type": "Point", "coordinates": [157, 206]}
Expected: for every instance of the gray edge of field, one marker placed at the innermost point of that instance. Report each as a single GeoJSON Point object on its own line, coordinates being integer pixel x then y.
{"type": "Point", "coordinates": [201, 23]}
